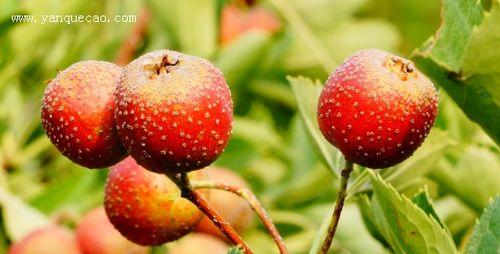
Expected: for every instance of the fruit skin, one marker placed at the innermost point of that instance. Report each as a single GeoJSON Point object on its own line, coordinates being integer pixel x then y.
{"type": "Point", "coordinates": [146, 207]}
{"type": "Point", "coordinates": [47, 240]}
{"type": "Point", "coordinates": [96, 235]}
{"type": "Point", "coordinates": [234, 209]}
{"type": "Point", "coordinates": [77, 114]}
{"type": "Point", "coordinates": [235, 22]}
{"type": "Point", "coordinates": [198, 243]}
{"type": "Point", "coordinates": [377, 108]}
{"type": "Point", "coordinates": [174, 111]}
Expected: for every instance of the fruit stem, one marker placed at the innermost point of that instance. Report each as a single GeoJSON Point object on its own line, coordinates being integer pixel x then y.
{"type": "Point", "coordinates": [254, 203]}
{"type": "Point", "coordinates": [339, 204]}
{"type": "Point", "coordinates": [189, 193]}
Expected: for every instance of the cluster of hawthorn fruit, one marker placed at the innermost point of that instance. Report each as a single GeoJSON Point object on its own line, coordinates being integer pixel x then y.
{"type": "Point", "coordinates": [163, 118]}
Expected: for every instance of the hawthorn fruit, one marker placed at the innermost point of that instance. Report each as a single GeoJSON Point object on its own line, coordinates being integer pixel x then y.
{"type": "Point", "coordinates": [77, 114]}
{"type": "Point", "coordinates": [377, 108]}
{"type": "Point", "coordinates": [96, 235]}
{"type": "Point", "coordinates": [47, 240]}
{"type": "Point", "coordinates": [174, 111]}
{"type": "Point", "coordinates": [146, 207]}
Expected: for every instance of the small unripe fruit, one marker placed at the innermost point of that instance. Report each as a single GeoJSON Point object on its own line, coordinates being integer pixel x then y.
{"type": "Point", "coordinates": [197, 244]}
{"type": "Point", "coordinates": [147, 208]}
{"type": "Point", "coordinates": [47, 240]}
{"type": "Point", "coordinates": [235, 210]}
{"type": "Point", "coordinates": [377, 108]}
{"type": "Point", "coordinates": [96, 235]}
{"type": "Point", "coordinates": [77, 114]}
{"type": "Point", "coordinates": [174, 111]}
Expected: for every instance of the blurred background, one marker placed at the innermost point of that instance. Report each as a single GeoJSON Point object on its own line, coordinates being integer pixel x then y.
{"type": "Point", "coordinates": [256, 44]}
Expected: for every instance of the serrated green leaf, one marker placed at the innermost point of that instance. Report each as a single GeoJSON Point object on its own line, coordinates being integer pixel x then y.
{"type": "Point", "coordinates": [306, 94]}
{"type": "Point", "coordinates": [404, 225]}
{"type": "Point", "coordinates": [486, 236]}
{"type": "Point", "coordinates": [462, 59]}
{"type": "Point", "coordinates": [423, 201]}
{"type": "Point", "coordinates": [19, 218]}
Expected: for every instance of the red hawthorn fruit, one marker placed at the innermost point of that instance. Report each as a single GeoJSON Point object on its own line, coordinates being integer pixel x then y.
{"type": "Point", "coordinates": [235, 22]}
{"type": "Point", "coordinates": [174, 111]}
{"type": "Point", "coordinates": [234, 209]}
{"type": "Point", "coordinates": [147, 208]}
{"type": "Point", "coordinates": [198, 243]}
{"type": "Point", "coordinates": [47, 240]}
{"type": "Point", "coordinates": [377, 108]}
{"type": "Point", "coordinates": [77, 114]}
{"type": "Point", "coordinates": [96, 235]}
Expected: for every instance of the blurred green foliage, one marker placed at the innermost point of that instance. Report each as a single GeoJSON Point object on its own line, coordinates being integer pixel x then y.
{"type": "Point", "coordinates": [276, 145]}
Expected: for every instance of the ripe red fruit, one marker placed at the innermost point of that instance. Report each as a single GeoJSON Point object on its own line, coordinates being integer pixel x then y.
{"type": "Point", "coordinates": [232, 208]}
{"type": "Point", "coordinates": [377, 108]}
{"type": "Point", "coordinates": [235, 22]}
{"type": "Point", "coordinates": [147, 208]}
{"type": "Point", "coordinates": [47, 240]}
{"type": "Point", "coordinates": [198, 243]}
{"type": "Point", "coordinates": [174, 111]}
{"type": "Point", "coordinates": [96, 235]}
{"type": "Point", "coordinates": [77, 114]}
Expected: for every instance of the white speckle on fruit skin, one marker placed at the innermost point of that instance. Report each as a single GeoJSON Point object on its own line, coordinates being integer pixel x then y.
{"type": "Point", "coordinates": [146, 207]}
{"type": "Point", "coordinates": [369, 95]}
{"type": "Point", "coordinates": [185, 102]}
{"type": "Point", "coordinates": [77, 114]}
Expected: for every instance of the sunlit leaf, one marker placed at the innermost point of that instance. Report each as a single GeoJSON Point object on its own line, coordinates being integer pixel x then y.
{"type": "Point", "coordinates": [406, 227]}
{"type": "Point", "coordinates": [486, 236]}
{"type": "Point", "coordinates": [306, 93]}
{"type": "Point", "coordinates": [461, 58]}
{"type": "Point", "coordinates": [19, 218]}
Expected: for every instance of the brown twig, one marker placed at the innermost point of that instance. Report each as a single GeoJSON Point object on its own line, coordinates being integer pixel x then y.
{"type": "Point", "coordinates": [129, 46]}
{"type": "Point", "coordinates": [254, 203]}
{"type": "Point", "coordinates": [187, 192]}
{"type": "Point", "coordinates": [339, 204]}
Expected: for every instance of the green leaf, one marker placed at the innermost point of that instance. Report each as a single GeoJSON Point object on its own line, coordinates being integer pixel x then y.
{"type": "Point", "coordinates": [198, 26]}
{"type": "Point", "coordinates": [474, 165]}
{"type": "Point", "coordinates": [235, 250]}
{"type": "Point", "coordinates": [404, 225]}
{"type": "Point", "coordinates": [306, 94]}
{"type": "Point", "coordinates": [462, 59]}
{"type": "Point", "coordinates": [238, 59]}
{"type": "Point", "coordinates": [19, 218]}
{"type": "Point", "coordinates": [486, 236]}
{"type": "Point", "coordinates": [423, 201]}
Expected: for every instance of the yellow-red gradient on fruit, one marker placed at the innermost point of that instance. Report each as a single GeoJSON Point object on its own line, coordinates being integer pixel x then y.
{"type": "Point", "coordinates": [231, 207]}
{"type": "Point", "coordinates": [146, 207]}
{"type": "Point", "coordinates": [96, 235]}
{"type": "Point", "coordinates": [77, 114]}
{"type": "Point", "coordinates": [47, 240]}
{"type": "Point", "coordinates": [174, 111]}
{"type": "Point", "coordinates": [377, 108]}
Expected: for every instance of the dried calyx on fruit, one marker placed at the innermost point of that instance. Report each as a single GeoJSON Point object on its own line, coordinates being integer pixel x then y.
{"type": "Point", "coordinates": [377, 108]}
{"type": "Point", "coordinates": [77, 114]}
{"type": "Point", "coordinates": [147, 208]}
{"type": "Point", "coordinates": [174, 111]}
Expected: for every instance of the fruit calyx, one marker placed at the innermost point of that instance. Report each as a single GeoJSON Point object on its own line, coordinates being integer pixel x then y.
{"type": "Point", "coordinates": [166, 65]}
{"type": "Point", "coordinates": [403, 68]}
